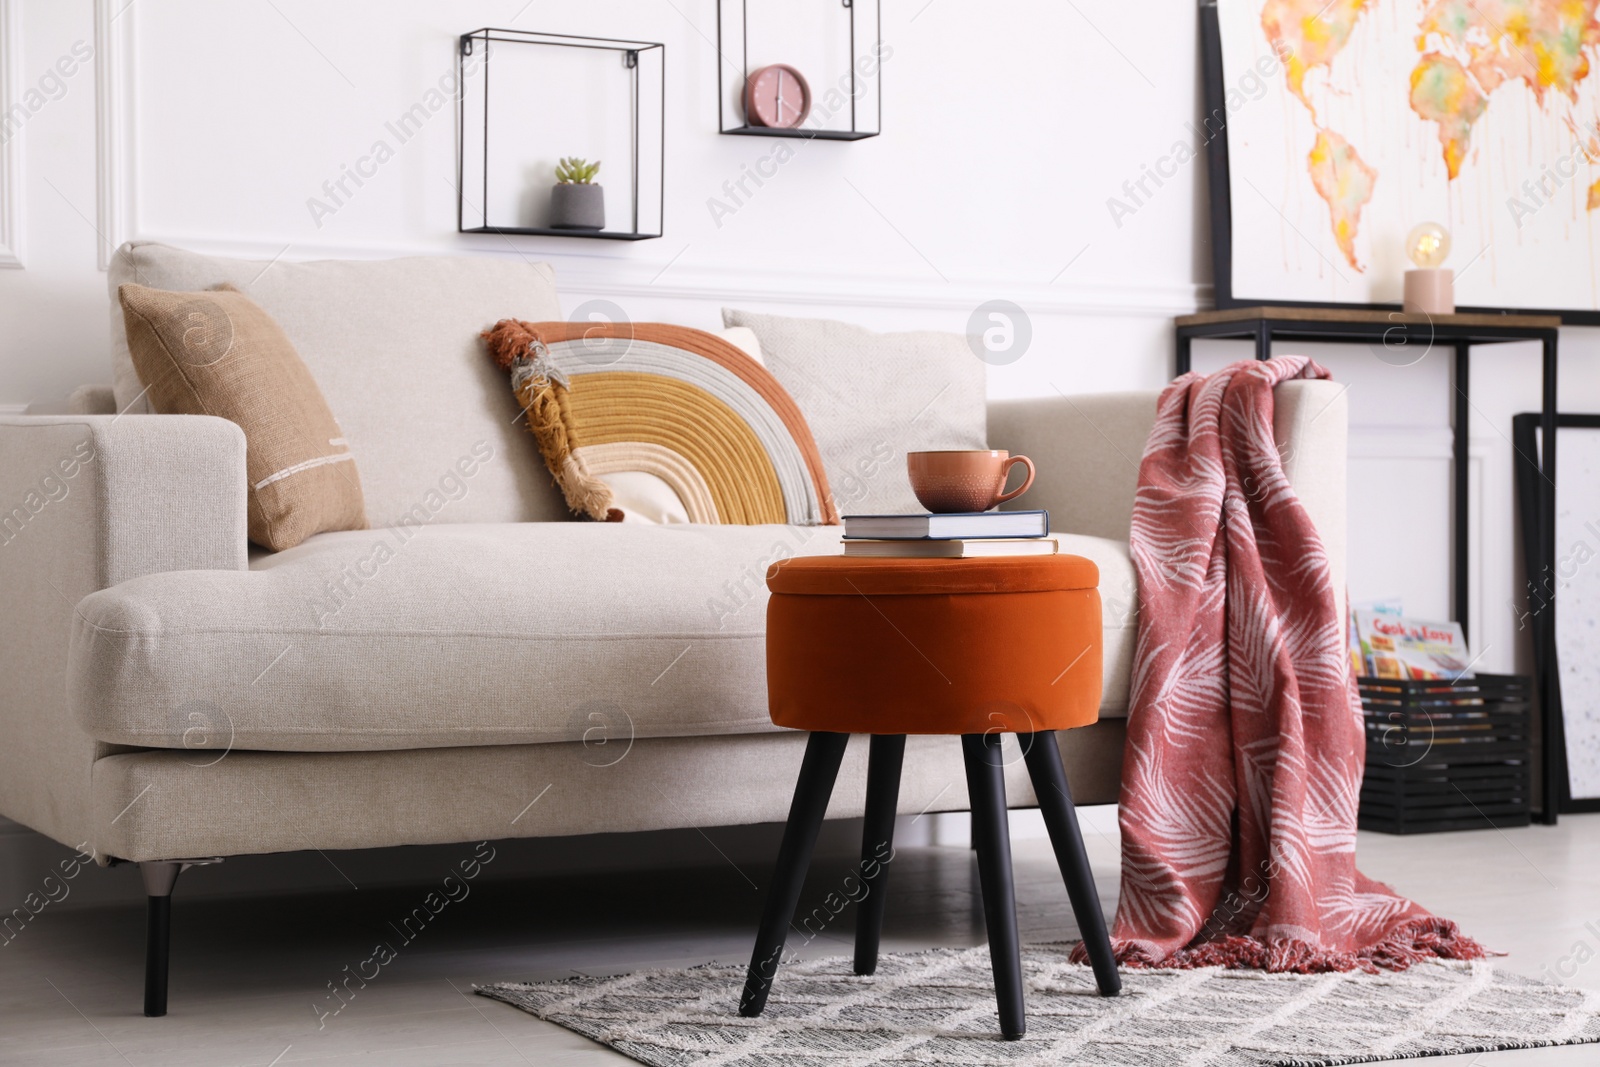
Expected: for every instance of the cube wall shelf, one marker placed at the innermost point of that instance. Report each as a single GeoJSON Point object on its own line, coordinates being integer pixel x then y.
{"type": "Point", "coordinates": [836, 46]}
{"type": "Point", "coordinates": [556, 96]}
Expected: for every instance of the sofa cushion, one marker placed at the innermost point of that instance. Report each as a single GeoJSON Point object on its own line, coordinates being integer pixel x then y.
{"type": "Point", "coordinates": [393, 345]}
{"type": "Point", "coordinates": [217, 353]}
{"type": "Point", "coordinates": [448, 635]}
{"type": "Point", "coordinates": [872, 397]}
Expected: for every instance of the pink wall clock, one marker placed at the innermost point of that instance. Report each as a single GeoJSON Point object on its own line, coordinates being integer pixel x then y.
{"type": "Point", "coordinates": [776, 95]}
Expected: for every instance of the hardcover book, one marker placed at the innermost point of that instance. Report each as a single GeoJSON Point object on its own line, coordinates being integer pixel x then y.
{"type": "Point", "coordinates": [953, 549]}
{"type": "Point", "coordinates": [960, 525]}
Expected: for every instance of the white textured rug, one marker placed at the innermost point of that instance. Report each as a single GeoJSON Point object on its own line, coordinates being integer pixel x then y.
{"type": "Point", "coordinates": [938, 1007]}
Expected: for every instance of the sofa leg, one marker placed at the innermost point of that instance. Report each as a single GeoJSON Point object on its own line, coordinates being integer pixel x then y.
{"type": "Point", "coordinates": [159, 878]}
{"type": "Point", "coordinates": [157, 941]}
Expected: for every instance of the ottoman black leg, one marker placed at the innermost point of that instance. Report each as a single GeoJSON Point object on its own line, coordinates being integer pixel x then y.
{"type": "Point", "coordinates": [820, 768]}
{"type": "Point", "coordinates": [1061, 819]}
{"type": "Point", "coordinates": [877, 843]}
{"type": "Point", "coordinates": [986, 785]}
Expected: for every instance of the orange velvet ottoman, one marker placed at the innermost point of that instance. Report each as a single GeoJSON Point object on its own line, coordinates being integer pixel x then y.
{"type": "Point", "coordinates": [973, 647]}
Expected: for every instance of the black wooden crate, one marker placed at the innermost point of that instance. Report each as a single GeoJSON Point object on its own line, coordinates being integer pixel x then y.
{"type": "Point", "coordinates": [1447, 755]}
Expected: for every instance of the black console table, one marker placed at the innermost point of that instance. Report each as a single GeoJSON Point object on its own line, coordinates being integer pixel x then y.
{"type": "Point", "coordinates": [1409, 337]}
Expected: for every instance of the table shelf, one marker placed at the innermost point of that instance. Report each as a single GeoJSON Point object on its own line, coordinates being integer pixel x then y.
{"type": "Point", "coordinates": [1401, 332]}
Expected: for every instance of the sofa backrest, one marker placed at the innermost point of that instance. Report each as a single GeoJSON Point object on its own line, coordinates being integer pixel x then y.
{"type": "Point", "coordinates": [394, 346]}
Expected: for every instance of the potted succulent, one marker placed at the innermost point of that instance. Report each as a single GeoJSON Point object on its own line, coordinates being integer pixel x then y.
{"type": "Point", "coordinates": [576, 203]}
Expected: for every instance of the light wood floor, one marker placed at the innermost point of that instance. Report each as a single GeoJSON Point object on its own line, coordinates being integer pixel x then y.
{"type": "Point", "coordinates": [249, 972]}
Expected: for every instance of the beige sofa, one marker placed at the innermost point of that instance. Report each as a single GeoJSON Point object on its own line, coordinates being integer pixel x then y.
{"type": "Point", "coordinates": [476, 666]}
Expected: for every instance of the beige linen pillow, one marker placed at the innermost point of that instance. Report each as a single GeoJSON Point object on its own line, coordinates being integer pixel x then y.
{"type": "Point", "coordinates": [872, 397]}
{"type": "Point", "coordinates": [393, 346]}
{"type": "Point", "coordinates": [217, 353]}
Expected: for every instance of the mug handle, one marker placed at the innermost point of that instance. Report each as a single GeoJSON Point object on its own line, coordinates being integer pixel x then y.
{"type": "Point", "coordinates": [1026, 482]}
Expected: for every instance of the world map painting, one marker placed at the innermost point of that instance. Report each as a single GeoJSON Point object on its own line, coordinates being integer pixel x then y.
{"type": "Point", "coordinates": [1351, 121]}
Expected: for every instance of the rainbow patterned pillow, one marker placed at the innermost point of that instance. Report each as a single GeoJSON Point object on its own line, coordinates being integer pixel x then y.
{"type": "Point", "coordinates": [680, 404]}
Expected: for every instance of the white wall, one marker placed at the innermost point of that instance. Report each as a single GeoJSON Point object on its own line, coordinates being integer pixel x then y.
{"type": "Point", "coordinates": [220, 121]}
{"type": "Point", "coordinates": [1006, 128]}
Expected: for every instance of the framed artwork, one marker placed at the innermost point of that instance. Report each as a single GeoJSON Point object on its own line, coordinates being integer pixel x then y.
{"type": "Point", "coordinates": [1333, 127]}
{"type": "Point", "coordinates": [1563, 607]}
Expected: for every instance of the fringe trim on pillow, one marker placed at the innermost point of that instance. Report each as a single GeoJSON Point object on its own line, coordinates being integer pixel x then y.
{"type": "Point", "coordinates": [586, 494]}
{"type": "Point", "coordinates": [541, 389]}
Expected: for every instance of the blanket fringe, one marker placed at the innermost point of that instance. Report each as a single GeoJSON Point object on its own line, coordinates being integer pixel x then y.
{"type": "Point", "coordinates": [1423, 938]}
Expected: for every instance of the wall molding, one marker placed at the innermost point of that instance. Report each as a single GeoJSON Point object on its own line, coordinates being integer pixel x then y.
{"type": "Point", "coordinates": [114, 96]}
{"type": "Point", "coordinates": [617, 277]}
{"type": "Point", "coordinates": [13, 409]}
{"type": "Point", "coordinates": [585, 274]}
{"type": "Point", "coordinates": [1387, 443]}
{"type": "Point", "coordinates": [1390, 442]}
{"type": "Point", "coordinates": [831, 288]}
{"type": "Point", "coordinates": [11, 147]}
{"type": "Point", "coordinates": [1380, 441]}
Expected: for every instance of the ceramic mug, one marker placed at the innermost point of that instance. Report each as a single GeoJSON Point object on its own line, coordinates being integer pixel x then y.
{"type": "Point", "coordinates": [966, 480]}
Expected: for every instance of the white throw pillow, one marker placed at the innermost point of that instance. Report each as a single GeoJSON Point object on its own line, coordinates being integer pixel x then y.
{"type": "Point", "coordinates": [745, 339]}
{"type": "Point", "coordinates": [872, 397]}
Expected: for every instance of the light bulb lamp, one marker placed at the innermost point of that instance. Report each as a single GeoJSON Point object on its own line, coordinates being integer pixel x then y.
{"type": "Point", "coordinates": [1430, 288]}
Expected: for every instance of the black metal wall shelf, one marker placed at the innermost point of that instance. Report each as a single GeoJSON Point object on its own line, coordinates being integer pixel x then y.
{"type": "Point", "coordinates": [494, 184]}
{"type": "Point", "coordinates": [802, 134]}
{"type": "Point", "coordinates": [853, 89]}
{"type": "Point", "coordinates": [550, 231]}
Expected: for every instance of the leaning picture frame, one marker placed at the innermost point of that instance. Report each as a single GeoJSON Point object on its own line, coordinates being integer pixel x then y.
{"type": "Point", "coordinates": [1562, 610]}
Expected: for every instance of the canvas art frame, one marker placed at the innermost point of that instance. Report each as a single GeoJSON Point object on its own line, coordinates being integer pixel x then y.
{"type": "Point", "coordinates": [1563, 584]}
{"type": "Point", "coordinates": [1237, 204]}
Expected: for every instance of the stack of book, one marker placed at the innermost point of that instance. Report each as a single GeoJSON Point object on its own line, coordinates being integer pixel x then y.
{"type": "Point", "coordinates": [959, 536]}
{"type": "Point", "coordinates": [1385, 644]}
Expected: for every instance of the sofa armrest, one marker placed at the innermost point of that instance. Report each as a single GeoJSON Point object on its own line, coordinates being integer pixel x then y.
{"type": "Point", "coordinates": [164, 492]}
{"type": "Point", "coordinates": [1311, 422]}
{"type": "Point", "coordinates": [1088, 448]}
{"type": "Point", "coordinates": [1087, 451]}
{"type": "Point", "coordinates": [87, 502]}
{"type": "Point", "coordinates": [91, 400]}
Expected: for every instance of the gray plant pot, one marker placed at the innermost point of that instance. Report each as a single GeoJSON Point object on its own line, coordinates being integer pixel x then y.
{"type": "Point", "coordinates": [574, 206]}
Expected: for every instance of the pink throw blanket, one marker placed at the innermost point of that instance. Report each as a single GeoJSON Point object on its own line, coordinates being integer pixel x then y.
{"type": "Point", "coordinates": [1245, 750]}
